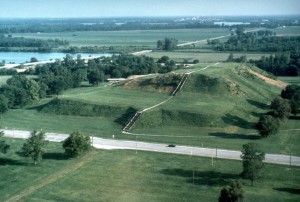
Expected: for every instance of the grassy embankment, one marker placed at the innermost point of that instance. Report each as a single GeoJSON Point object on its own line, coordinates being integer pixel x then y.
{"type": "Point", "coordinates": [126, 176]}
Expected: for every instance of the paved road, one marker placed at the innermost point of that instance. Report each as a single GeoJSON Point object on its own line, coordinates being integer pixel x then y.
{"type": "Point", "coordinates": [219, 37]}
{"type": "Point", "coordinates": [101, 143]}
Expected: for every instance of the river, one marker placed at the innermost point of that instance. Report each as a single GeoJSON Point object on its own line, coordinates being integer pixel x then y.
{"type": "Point", "coordinates": [22, 57]}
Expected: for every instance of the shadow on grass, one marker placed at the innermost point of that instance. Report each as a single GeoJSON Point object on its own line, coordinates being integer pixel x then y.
{"type": "Point", "coordinates": [258, 104]}
{"type": "Point", "coordinates": [6, 161]}
{"type": "Point", "coordinates": [38, 107]}
{"type": "Point", "coordinates": [289, 190]}
{"type": "Point", "coordinates": [55, 156]}
{"type": "Point", "coordinates": [294, 117]}
{"type": "Point", "coordinates": [237, 121]}
{"type": "Point", "coordinates": [203, 177]}
{"type": "Point", "coordinates": [235, 136]}
{"type": "Point", "coordinates": [257, 114]}
{"type": "Point", "coordinates": [126, 117]}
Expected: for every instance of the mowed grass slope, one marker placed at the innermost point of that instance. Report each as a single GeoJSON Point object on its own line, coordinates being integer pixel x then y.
{"type": "Point", "coordinates": [219, 107]}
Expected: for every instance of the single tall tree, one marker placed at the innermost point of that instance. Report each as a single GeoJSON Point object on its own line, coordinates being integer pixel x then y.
{"type": "Point", "coordinates": [232, 193]}
{"type": "Point", "coordinates": [76, 144]}
{"type": "Point", "coordinates": [33, 147]}
{"type": "Point", "coordinates": [281, 108]}
{"type": "Point", "coordinates": [267, 125]}
{"type": "Point", "coordinates": [252, 157]}
{"type": "Point", "coordinates": [292, 93]}
{"type": "Point", "coordinates": [3, 104]}
{"type": "Point", "coordinates": [3, 146]}
{"type": "Point", "coordinates": [95, 77]}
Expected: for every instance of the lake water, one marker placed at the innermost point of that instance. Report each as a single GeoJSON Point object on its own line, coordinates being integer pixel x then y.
{"type": "Point", "coordinates": [21, 57]}
{"type": "Point", "coordinates": [232, 23]}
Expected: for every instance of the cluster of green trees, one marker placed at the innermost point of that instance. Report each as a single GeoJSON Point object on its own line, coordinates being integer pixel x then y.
{"type": "Point", "coordinates": [10, 71]}
{"type": "Point", "coordinates": [262, 41]}
{"type": "Point", "coordinates": [18, 92]}
{"type": "Point", "coordinates": [123, 66]}
{"type": "Point", "coordinates": [241, 59]}
{"type": "Point", "coordinates": [280, 111]}
{"type": "Point", "coordinates": [167, 44]}
{"type": "Point", "coordinates": [75, 145]}
{"type": "Point", "coordinates": [8, 42]}
{"type": "Point", "coordinates": [53, 78]}
{"type": "Point", "coordinates": [282, 64]}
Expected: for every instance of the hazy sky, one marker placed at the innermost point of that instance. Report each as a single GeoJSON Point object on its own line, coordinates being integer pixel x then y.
{"type": "Point", "coordinates": [108, 8]}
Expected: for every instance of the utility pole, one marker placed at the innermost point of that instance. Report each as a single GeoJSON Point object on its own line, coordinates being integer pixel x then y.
{"type": "Point", "coordinates": [136, 144]}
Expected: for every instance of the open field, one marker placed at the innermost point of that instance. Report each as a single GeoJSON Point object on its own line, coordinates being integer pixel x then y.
{"type": "Point", "coordinates": [287, 31]}
{"type": "Point", "coordinates": [144, 176]}
{"type": "Point", "coordinates": [202, 57]}
{"type": "Point", "coordinates": [129, 38]}
{"type": "Point", "coordinates": [110, 95]}
{"type": "Point", "coordinates": [30, 119]}
{"type": "Point", "coordinates": [3, 79]}
{"type": "Point", "coordinates": [18, 173]}
{"type": "Point", "coordinates": [290, 80]}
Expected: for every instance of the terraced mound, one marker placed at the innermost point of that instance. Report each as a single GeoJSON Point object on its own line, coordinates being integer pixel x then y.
{"type": "Point", "coordinates": [227, 96]}
{"type": "Point", "coordinates": [223, 96]}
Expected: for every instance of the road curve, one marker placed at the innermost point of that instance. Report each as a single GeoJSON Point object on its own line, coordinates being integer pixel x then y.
{"type": "Point", "coordinates": [102, 143]}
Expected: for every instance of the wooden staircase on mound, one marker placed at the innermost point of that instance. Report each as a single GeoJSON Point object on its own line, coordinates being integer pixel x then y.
{"type": "Point", "coordinates": [138, 114]}
{"type": "Point", "coordinates": [132, 121]}
{"type": "Point", "coordinates": [181, 83]}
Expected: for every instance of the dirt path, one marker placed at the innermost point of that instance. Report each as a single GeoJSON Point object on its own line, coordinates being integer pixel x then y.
{"type": "Point", "coordinates": [268, 80]}
{"type": "Point", "coordinates": [54, 177]}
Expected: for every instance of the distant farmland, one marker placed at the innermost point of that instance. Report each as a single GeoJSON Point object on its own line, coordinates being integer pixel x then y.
{"type": "Point", "coordinates": [129, 38]}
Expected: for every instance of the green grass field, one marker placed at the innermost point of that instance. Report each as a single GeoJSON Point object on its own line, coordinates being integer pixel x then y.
{"type": "Point", "coordinates": [126, 176]}
{"type": "Point", "coordinates": [3, 79]}
{"type": "Point", "coordinates": [290, 80]}
{"type": "Point", "coordinates": [129, 38]}
{"type": "Point", "coordinates": [287, 31]}
{"type": "Point", "coordinates": [202, 57]}
{"type": "Point", "coordinates": [18, 173]}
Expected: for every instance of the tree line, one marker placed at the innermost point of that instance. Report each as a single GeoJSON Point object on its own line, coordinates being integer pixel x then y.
{"type": "Point", "coordinates": [282, 64]}
{"type": "Point", "coordinates": [8, 42]}
{"type": "Point", "coordinates": [260, 41]}
{"type": "Point", "coordinates": [281, 108]}
{"type": "Point", "coordinates": [109, 24]}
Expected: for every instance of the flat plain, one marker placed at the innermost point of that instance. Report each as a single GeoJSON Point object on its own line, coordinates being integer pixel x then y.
{"type": "Point", "coordinates": [129, 38]}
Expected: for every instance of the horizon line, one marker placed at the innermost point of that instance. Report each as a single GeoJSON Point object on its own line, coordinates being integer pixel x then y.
{"type": "Point", "coordinates": [149, 16]}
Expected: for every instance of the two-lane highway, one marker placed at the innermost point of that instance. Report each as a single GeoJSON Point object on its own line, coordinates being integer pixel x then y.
{"type": "Point", "coordinates": [102, 143]}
